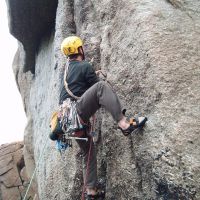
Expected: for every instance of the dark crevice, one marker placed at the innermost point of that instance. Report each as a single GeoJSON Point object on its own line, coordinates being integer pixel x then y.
{"type": "Point", "coordinates": [1, 198]}
{"type": "Point", "coordinates": [10, 186]}
{"type": "Point", "coordinates": [20, 193]}
{"type": "Point", "coordinates": [73, 24]}
{"type": "Point", "coordinates": [168, 190]}
{"type": "Point", "coordinates": [20, 166]}
{"type": "Point", "coordinates": [180, 5]}
{"type": "Point", "coordinates": [174, 3]}
{"type": "Point", "coordinates": [139, 171]}
{"type": "Point", "coordinates": [6, 172]}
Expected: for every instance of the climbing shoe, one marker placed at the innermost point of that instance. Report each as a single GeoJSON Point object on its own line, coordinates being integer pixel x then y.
{"type": "Point", "coordinates": [135, 123]}
{"type": "Point", "coordinates": [100, 195]}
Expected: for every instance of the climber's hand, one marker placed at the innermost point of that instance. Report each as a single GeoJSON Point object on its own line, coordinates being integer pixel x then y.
{"type": "Point", "coordinates": [98, 72]}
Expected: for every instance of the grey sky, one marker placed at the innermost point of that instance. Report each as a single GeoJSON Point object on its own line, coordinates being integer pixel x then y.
{"type": "Point", "coordinates": [12, 116]}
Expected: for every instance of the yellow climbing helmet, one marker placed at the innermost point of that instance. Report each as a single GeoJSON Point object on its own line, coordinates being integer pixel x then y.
{"type": "Point", "coordinates": [70, 45]}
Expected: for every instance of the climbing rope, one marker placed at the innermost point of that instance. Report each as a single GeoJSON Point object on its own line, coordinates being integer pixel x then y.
{"type": "Point", "coordinates": [35, 170]}
{"type": "Point", "coordinates": [88, 161]}
{"type": "Point", "coordinates": [89, 155]}
{"type": "Point", "coordinates": [87, 170]}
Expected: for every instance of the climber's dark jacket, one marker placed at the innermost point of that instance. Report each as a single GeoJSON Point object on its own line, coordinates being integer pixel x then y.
{"type": "Point", "coordinates": [80, 77]}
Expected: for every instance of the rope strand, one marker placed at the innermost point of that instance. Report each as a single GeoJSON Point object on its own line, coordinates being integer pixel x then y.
{"type": "Point", "coordinates": [89, 155]}
{"type": "Point", "coordinates": [87, 169]}
{"type": "Point", "coordinates": [35, 171]}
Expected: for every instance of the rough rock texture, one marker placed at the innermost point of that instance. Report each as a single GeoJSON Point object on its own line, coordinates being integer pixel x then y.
{"type": "Point", "coordinates": [13, 177]}
{"type": "Point", "coordinates": [150, 51]}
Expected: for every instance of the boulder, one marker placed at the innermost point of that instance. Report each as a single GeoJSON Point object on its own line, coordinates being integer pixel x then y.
{"type": "Point", "coordinates": [13, 178]}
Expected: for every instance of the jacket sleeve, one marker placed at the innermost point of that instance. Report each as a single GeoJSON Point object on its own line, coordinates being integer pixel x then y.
{"type": "Point", "coordinates": [90, 75]}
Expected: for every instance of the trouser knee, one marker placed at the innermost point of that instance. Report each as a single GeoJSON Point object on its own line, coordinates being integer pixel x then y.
{"type": "Point", "coordinates": [102, 84]}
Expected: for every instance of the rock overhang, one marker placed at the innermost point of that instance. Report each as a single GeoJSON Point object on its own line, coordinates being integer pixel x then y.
{"type": "Point", "coordinates": [29, 21]}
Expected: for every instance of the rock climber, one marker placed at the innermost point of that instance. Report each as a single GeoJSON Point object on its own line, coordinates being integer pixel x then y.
{"type": "Point", "coordinates": [84, 83]}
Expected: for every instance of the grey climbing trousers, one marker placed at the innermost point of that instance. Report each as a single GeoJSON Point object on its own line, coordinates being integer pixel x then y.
{"type": "Point", "coordinates": [99, 95]}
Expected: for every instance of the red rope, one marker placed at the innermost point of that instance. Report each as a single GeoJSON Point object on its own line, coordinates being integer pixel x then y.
{"type": "Point", "coordinates": [88, 160]}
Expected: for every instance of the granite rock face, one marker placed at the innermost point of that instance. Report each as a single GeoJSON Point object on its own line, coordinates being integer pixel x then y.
{"type": "Point", "coordinates": [150, 51]}
{"type": "Point", "coordinates": [13, 177]}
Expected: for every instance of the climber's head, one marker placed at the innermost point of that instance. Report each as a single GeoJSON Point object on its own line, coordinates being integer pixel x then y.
{"type": "Point", "coordinates": [72, 47]}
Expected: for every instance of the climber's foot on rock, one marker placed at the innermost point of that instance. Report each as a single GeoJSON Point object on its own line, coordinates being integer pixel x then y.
{"type": "Point", "coordinates": [128, 127]}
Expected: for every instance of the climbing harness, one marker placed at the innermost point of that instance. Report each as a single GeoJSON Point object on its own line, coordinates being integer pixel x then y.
{"type": "Point", "coordinates": [66, 120]}
{"type": "Point", "coordinates": [69, 119]}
